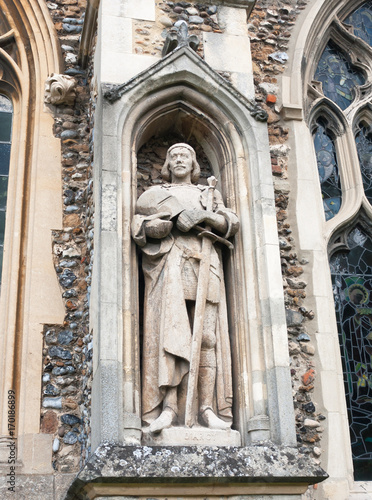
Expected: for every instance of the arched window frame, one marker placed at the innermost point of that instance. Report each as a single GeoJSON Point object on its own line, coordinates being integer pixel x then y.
{"type": "Point", "coordinates": [28, 55]}
{"type": "Point", "coordinates": [299, 101]}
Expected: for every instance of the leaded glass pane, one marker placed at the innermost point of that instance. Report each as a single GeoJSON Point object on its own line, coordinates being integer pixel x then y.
{"type": "Point", "coordinates": [2, 225]}
{"type": "Point", "coordinates": [4, 158]}
{"type": "Point", "coordinates": [3, 191]}
{"type": "Point", "coordinates": [363, 141]}
{"type": "Point", "coordinates": [328, 171]}
{"type": "Point", "coordinates": [5, 126]}
{"type": "Point", "coordinates": [338, 76]}
{"type": "Point", "coordinates": [352, 288]}
{"type": "Point", "coordinates": [6, 116]}
{"type": "Point", "coordinates": [361, 21]}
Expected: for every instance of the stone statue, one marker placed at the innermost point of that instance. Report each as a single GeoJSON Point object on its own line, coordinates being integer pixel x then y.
{"type": "Point", "coordinates": [186, 368]}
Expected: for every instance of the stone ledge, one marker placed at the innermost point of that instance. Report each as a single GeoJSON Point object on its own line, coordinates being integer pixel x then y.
{"type": "Point", "coordinates": [111, 466]}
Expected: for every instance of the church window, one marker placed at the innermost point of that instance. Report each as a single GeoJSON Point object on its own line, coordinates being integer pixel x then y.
{"type": "Point", "coordinates": [341, 90]}
{"type": "Point", "coordinates": [352, 287]}
{"type": "Point", "coordinates": [327, 169]}
{"type": "Point", "coordinates": [361, 21]}
{"type": "Point", "coordinates": [6, 116]}
{"type": "Point", "coordinates": [363, 141]}
{"type": "Point", "coordinates": [338, 76]}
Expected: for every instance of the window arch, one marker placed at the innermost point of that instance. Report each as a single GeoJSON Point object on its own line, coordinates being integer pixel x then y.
{"type": "Point", "coordinates": [342, 82]}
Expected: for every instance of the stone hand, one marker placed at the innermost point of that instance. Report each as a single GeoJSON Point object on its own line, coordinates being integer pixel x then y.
{"type": "Point", "coordinates": [191, 218]}
{"type": "Point", "coordinates": [158, 228]}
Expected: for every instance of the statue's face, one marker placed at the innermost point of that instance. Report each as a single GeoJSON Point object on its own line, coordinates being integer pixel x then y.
{"type": "Point", "coordinates": [180, 164]}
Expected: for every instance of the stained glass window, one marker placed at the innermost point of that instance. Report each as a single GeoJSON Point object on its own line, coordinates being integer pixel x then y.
{"type": "Point", "coordinates": [363, 141]}
{"type": "Point", "coordinates": [361, 21]}
{"type": "Point", "coordinates": [352, 286]}
{"type": "Point", "coordinates": [6, 115]}
{"type": "Point", "coordinates": [328, 170]}
{"type": "Point", "coordinates": [338, 76]}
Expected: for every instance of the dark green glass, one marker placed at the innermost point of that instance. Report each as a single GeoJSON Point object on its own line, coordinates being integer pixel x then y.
{"type": "Point", "coordinates": [4, 158]}
{"type": "Point", "coordinates": [2, 225]}
{"type": "Point", "coordinates": [5, 126]}
{"type": "Point", "coordinates": [3, 191]}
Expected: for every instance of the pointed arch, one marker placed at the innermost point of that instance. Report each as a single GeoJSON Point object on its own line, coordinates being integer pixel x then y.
{"type": "Point", "coordinates": [29, 52]}
{"type": "Point", "coordinates": [183, 93]}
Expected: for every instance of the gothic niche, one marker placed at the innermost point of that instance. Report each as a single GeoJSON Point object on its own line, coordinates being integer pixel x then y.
{"type": "Point", "coordinates": [183, 231]}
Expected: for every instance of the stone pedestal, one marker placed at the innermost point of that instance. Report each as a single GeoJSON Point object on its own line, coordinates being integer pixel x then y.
{"type": "Point", "coordinates": [185, 436]}
{"type": "Point", "coordinates": [261, 472]}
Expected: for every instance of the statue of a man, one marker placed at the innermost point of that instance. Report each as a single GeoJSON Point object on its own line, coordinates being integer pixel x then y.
{"type": "Point", "coordinates": [166, 226]}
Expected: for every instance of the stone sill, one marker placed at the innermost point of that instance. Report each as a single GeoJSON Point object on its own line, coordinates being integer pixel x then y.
{"type": "Point", "coordinates": [121, 469]}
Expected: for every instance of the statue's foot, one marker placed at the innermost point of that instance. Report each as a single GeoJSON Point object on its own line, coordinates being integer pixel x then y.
{"type": "Point", "coordinates": [164, 421]}
{"type": "Point", "coordinates": [213, 422]}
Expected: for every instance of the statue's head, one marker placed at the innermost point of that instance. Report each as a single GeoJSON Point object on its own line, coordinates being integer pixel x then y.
{"type": "Point", "coordinates": [185, 156]}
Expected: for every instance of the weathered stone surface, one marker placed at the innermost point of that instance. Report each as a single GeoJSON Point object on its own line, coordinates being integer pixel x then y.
{"type": "Point", "coordinates": [196, 464]}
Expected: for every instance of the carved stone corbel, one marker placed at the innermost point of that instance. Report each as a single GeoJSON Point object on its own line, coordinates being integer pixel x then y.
{"type": "Point", "coordinates": [60, 89]}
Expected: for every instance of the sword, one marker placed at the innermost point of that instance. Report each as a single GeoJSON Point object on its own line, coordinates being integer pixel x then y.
{"type": "Point", "coordinates": [201, 297]}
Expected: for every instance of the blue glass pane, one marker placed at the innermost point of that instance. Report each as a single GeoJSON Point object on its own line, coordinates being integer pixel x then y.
{"type": "Point", "coordinates": [363, 141]}
{"type": "Point", "coordinates": [328, 171]}
{"type": "Point", "coordinates": [338, 76]}
{"type": "Point", "coordinates": [5, 126]}
{"type": "Point", "coordinates": [3, 191]}
{"type": "Point", "coordinates": [4, 158]}
{"type": "Point", "coordinates": [352, 288]}
{"type": "Point", "coordinates": [361, 21]}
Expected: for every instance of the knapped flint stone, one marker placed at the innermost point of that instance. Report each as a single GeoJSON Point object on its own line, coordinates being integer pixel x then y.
{"type": "Point", "coordinates": [67, 278]}
{"type": "Point", "coordinates": [280, 57]}
{"type": "Point", "coordinates": [70, 438]}
{"type": "Point", "coordinates": [55, 445]}
{"type": "Point", "coordinates": [74, 72]}
{"type": "Point", "coordinates": [70, 419]}
{"type": "Point", "coordinates": [293, 318]}
{"type": "Point", "coordinates": [52, 403]}
{"type": "Point", "coordinates": [65, 337]}
{"type": "Point", "coordinates": [71, 28]}
{"type": "Point", "coordinates": [212, 9]}
{"type": "Point", "coordinates": [303, 337]}
{"type": "Point", "coordinates": [309, 407]}
{"type": "Point", "coordinates": [69, 293]}
{"type": "Point", "coordinates": [69, 134]}
{"type": "Point", "coordinates": [51, 390]}
{"type": "Point", "coordinates": [57, 352]}
{"type": "Point", "coordinates": [196, 20]}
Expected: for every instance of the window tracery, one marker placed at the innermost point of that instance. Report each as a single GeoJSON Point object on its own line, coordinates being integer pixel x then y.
{"type": "Point", "coordinates": [327, 169]}
{"type": "Point", "coordinates": [342, 87]}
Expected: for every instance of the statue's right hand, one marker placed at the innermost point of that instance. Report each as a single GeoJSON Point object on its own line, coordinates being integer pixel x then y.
{"type": "Point", "coordinates": [158, 228]}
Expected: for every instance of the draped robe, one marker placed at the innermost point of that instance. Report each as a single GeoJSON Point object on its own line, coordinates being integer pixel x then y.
{"type": "Point", "coordinates": [170, 267]}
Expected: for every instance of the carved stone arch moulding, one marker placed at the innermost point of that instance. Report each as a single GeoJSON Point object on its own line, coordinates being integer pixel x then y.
{"type": "Point", "coordinates": [182, 93]}
{"type": "Point", "coordinates": [29, 52]}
